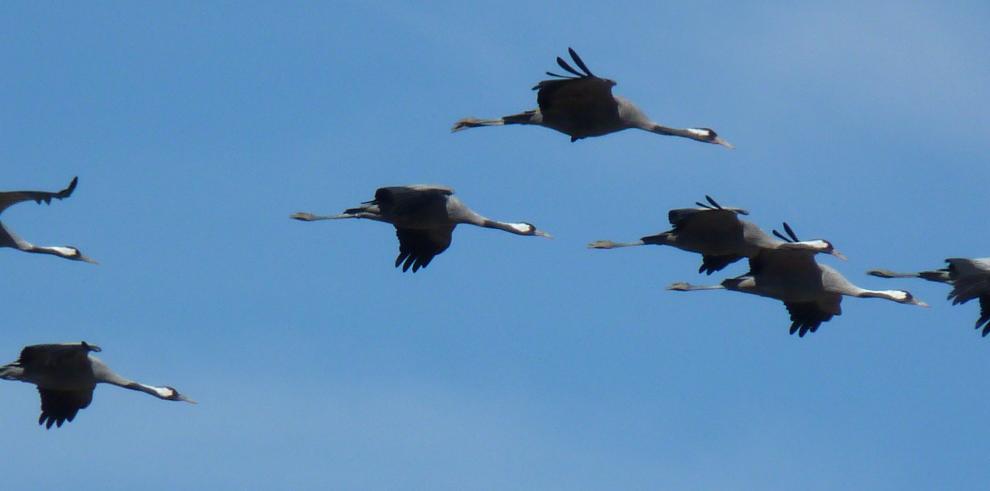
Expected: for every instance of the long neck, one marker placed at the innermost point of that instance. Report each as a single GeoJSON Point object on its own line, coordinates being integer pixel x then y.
{"type": "Point", "coordinates": [105, 375]}
{"type": "Point", "coordinates": [892, 295]}
{"type": "Point", "coordinates": [514, 228]}
{"type": "Point", "coordinates": [807, 245]}
{"type": "Point", "coordinates": [666, 130]}
{"type": "Point", "coordinates": [55, 251]}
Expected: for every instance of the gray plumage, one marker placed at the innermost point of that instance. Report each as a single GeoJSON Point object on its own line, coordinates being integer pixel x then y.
{"type": "Point", "coordinates": [719, 235]}
{"type": "Point", "coordinates": [424, 217]}
{"type": "Point", "coordinates": [66, 375]}
{"type": "Point", "coordinates": [970, 279]}
{"type": "Point", "coordinates": [9, 239]}
{"type": "Point", "coordinates": [581, 105]}
{"type": "Point", "coordinates": [812, 292]}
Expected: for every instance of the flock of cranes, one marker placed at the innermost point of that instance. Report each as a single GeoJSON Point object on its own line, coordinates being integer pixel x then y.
{"type": "Point", "coordinates": [580, 105]}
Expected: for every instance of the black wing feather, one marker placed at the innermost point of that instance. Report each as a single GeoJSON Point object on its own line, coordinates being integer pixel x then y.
{"type": "Point", "coordinates": [790, 232]}
{"type": "Point", "coordinates": [580, 63]}
{"type": "Point", "coordinates": [563, 64]}
{"type": "Point", "coordinates": [59, 406]}
{"type": "Point", "coordinates": [711, 264]}
{"type": "Point", "coordinates": [418, 247]}
{"type": "Point", "coordinates": [806, 317]}
{"type": "Point", "coordinates": [984, 319]}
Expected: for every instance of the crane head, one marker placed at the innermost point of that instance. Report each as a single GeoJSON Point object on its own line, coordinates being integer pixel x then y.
{"type": "Point", "coordinates": [708, 135]}
{"type": "Point", "coordinates": [169, 393]}
{"type": "Point", "coordinates": [73, 253]}
{"type": "Point", "coordinates": [532, 230]}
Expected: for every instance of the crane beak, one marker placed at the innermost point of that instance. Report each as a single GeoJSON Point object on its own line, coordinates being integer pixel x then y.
{"type": "Point", "coordinates": [87, 259]}
{"type": "Point", "coordinates": [720, 141]}
{"type": "Point", "coordinates": [839, 255]}
{"type": "Point", "coordinates": [543, 234]}
{"type": "Point", "coordinates": [185, 399]}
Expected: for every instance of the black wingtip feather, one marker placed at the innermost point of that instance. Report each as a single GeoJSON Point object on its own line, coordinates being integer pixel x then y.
{"type": "Point", "coordinates": [790, 231]}
{"type": "Point", "coordinates": [780, 236]}
{"type": "Point", "coordinates": [580, 63]}
{"type": "Point", "coordinates": [563, 64]}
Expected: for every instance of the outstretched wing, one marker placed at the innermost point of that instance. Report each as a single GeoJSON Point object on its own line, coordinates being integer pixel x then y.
{"type": "Point", "coordinates": [412, 201]}
{"type": "Point", "coordinates": [54, 358]}
{"type": "Point", "coordinates": [59, 406]}
{"type": "Point", "coordinates": [417, 247]}
{"type": "Point", "coordinates": [576, 98]}
{"type": "Point", "coordinates": [9, 198]}
{"type": "Point", "coordinates": [984, 320]}
{"type": "Point", "coordinates": [718, 222]}
{"type": "Point", "coordinates": [711, 264]}
{"type": "Point", "coordinates": [806, 317]}
{"type": "Point", "coordinates": [581, 97]}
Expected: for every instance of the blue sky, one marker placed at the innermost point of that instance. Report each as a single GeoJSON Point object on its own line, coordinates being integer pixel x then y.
{"type": "Point", "coordinates": [511, 362]}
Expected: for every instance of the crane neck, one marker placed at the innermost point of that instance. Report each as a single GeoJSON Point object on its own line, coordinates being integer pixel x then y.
{"type": "Point", "coordinates": [666, 130]}
{"type": "Point", "coordinates": [103, 374]}
{"type": "Point", "coordinates": [513, 228]}
{"type": "Point", "coordinates": [892, 295]}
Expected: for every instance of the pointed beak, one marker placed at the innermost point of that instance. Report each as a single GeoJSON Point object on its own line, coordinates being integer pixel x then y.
{"type": "Point", "coordinates": [720, 141]}
{"type": "Point", "coordinates": [839, 255]}
{"type": "Point", "coordinates": [87, 259]}
{"type": "Point", "coordinates": [543, 234]}
{"type": "Point", "coordinates": [921, 303]}
{"type": "Point", "coordinates": [185, 399]}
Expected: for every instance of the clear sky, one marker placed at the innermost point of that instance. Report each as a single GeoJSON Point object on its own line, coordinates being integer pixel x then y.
{"type": "Point", "coordinates": [511, 362]}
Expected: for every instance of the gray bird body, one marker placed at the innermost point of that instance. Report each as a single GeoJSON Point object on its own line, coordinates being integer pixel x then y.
{"type": "Point", "coordinates": [812, 292]}
{"type": "Point", "coordinates": [719, 235]}
{"type": "Point", "coordinates": [9, 239]}
{"type": "Point", "coordinates": [970, 279]}
{"type": "Point", "coordinates": [66, 375]}
{"type": "Point", "coordinates": [581, 105]}
{"type": "Point", "coordinates": [424, 217]}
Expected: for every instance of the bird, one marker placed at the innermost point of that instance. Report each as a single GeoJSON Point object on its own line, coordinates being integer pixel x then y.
{"type": "Point", "coordinates": [66, 375]}
{"type": "Point", "coordinates": [9, 239]}
{"type": "Point", "coordinates": [970, 279]}
{"type": "Point", "coordinates": [424, 217]}
{"type": "Point", "coordinates": [812, 292]}
{"type": "Point", "coordinates": [717, 233]}
{"type": "Point", "coordinates": [581, 105]}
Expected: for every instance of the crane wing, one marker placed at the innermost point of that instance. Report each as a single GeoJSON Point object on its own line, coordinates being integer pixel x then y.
{"type": "Point", "coordinates": [807, 316]}
{"type": "Point", "coordinates": [966, 288]}
{"type": "Point", "coordinates": [984, 319]}
{"type": "Point", "coordinates": [9, 198]}
{"type": "Point", "coordinates": [418, 247]}
{"type": "Point", "coordinates": [577, 99]}
{"type": "Point", "coordinates": [711, 264]}
{"type": "Point", "coordinates": [413, 200]}
{"type": "Point", "coordinates": [59, 406]}
{"type": "Point", "coordinates": [713, 221]}
{"type": "Point", "coordinates": [55, 357]}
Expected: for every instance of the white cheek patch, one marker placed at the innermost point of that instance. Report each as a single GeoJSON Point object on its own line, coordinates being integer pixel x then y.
{"type": "Point", "coordinates": [898, 295]}
{"type": "Point", "coordinates": [164, 391]}
{"type": "Point", "coordinates": [701, 133]}
{"type": "Point", "coordinates": [522, 227]}
{"type": "Point", "coordinates": [67, 251]}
